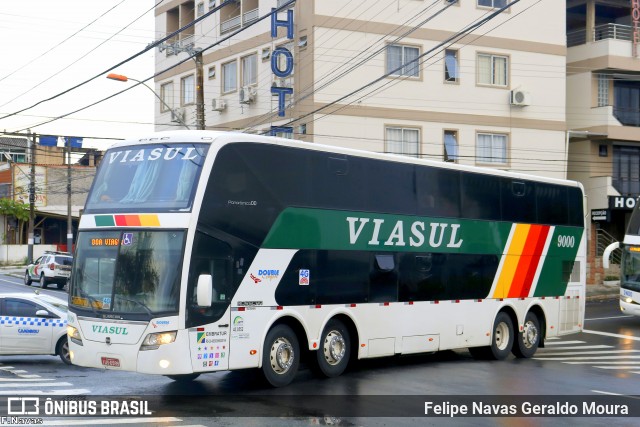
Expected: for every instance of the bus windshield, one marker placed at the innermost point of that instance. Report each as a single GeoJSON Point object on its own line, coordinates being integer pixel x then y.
{"type": "Point", "coordinates": [127, 273]}
{"type": "Point", "coordinates": [631, 268]}
{"type": "Point", "coordinates": [159, 178]}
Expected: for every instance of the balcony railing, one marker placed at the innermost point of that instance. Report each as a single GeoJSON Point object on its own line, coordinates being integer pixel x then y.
{"type": "Point", "coordinates": [600, 32]}
{"type": "Point", "coordinates": [230, 24]}
{"type": "Point", "coordinates": [250, 16]}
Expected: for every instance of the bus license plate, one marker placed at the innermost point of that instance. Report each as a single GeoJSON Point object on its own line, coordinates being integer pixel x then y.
{"type": "Point", "coordinates": [111, 361]}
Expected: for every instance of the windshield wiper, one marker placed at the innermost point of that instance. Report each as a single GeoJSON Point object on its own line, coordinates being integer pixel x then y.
{"type": "Point", "coordinates": [136, 302]}
{"type": "Point", "coordinates": [91, 301]}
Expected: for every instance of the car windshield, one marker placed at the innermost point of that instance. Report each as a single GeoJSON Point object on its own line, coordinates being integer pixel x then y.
{"type": "Point", "coordinates": [631, 268]}
{"type": "Point", "coordinates": [127, 272]}
{"type": "Point", "coordinates": [146, 178]}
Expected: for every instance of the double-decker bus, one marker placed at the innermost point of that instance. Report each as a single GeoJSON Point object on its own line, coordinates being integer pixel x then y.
{"type": "Point", "coordinates": [205, 251]}
{"type": "Point", "coordinates": [629, 266]}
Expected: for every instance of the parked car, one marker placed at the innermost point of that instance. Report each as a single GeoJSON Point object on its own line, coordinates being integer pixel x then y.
{"type": "Point", "coordinates": [51, 267]}
{"type": "Point", "coordinates": [33, 323]}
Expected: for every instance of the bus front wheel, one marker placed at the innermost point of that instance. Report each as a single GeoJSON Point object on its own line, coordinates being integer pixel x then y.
{"type": "Point", "coordinates": [335, 349]}
{"type": "Point", "coordinates": [529, 338]}
{"type": "Point", "coordinates": [280, 356]}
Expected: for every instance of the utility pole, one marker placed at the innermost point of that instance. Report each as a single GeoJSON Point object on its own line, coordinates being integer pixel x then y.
{"type": "Point", "coordinates": [32, 196]}
{"type": "Point", "coordinates": [67, 141]}
{"type": "Point", "coordinates": [199, 91]}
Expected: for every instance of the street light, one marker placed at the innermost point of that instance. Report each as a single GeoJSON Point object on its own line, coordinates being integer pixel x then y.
{"type": "Point", "coordinates": [121, 78]}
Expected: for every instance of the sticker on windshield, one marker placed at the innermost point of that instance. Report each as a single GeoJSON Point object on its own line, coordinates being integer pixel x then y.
{"type": "Point", "coordinates": [106, 303]}
{"type": "Point", "coordinates": [127, 239]}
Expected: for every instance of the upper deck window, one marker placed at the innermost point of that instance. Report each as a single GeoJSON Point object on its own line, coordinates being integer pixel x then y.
{"type": "Point", "coordinates": [158, 178]}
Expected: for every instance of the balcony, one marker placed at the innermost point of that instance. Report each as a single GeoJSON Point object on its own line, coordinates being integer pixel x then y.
{"type": "Point", "coordinates": [600, 32]}
{"type": "Point", "coordinates": [230, 24]}
{"type": "Point", "coordinates": [250, 16]}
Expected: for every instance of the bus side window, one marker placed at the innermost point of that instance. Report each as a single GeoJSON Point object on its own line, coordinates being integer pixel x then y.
{"type": "Point", "coordinates": [383, 279]}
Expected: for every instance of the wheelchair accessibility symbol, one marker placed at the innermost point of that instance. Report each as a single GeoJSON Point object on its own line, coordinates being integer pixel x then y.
{"type": "Point", "coordinates": [127, 239]}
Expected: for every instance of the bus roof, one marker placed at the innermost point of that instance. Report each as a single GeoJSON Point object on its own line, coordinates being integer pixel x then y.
{"type": "Point", "coordinates": [223, 138]}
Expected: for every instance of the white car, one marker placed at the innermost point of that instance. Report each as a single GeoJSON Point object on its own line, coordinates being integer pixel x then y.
{"type": "Point", "coordinates": [51, 267]}
{"type": "Point", "coordinates": [33, 323]}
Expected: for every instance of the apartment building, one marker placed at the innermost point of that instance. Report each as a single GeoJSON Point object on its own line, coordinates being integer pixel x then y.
{"type": "Point", "coordinates": [603, 115]}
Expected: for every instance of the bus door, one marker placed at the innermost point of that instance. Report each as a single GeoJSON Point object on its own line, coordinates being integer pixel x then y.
{"type": "Point", "coordinates": [209, 326]}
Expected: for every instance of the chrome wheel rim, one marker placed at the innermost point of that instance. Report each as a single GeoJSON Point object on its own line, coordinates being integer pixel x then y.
{"type": "Point", "coordinates": [529, 334]}
{"type": "Point", "coordinates": [334, 348]}
{"type": "Point", "coordinates": [281, 355]}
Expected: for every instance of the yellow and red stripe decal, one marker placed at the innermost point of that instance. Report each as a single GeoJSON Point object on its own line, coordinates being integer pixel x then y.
{"type": "Point", "coordinates": [521, 261]}
{"type": "Point", "coordinates": [127, 221]}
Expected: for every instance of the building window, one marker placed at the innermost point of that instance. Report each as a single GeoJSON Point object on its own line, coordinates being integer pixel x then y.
{"type": "Point", "coordinates": [166, 93]}
{"type": "Point", "coordinates": [188, 90]}
{"type": "Point", "coordinates": [491, 148]}
{"type": "Point", "coordinates": [451, 146]}
{"type": "Point", "coordinates": [212, 72]}
{"type": "Point", "coordinates": [603, 90]}
{"type": "Point", "coordinates": [229, 77]}
{"type": "Point", "coordinates": [249, 70]}
{"type": "Point", "coordinates": [402, 141]}
{"type": "Point", "coordinates": [200, 9]}
{"type": "Point", "coordinates": [492, 3]}
{"type": "Point", "coordinates": [626, 170]}
{"type": "Point", "coordinates": [492, 69]}
{"type": "Point", "coordinates": [451, 69]}
{"type": "Point", "coordinates": [405, 57]}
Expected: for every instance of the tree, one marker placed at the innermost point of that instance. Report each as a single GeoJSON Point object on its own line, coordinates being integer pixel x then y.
{"type": "Point", "coordinates": [20, 211]}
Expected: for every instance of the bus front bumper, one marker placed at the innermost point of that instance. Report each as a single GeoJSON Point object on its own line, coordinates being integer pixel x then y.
{"type": "Point", "coordinates": [167, 359]}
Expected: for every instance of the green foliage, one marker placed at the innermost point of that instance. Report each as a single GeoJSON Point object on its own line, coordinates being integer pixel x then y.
{"type": "Point", "coordinates": [10, 207]}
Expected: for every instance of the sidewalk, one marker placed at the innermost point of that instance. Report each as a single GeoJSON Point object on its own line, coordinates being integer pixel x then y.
{"type": "Point", "coordinates": [594, 292]}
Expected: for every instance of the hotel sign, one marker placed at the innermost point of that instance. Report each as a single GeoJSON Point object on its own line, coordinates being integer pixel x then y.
{"type": "Point", "coordinates": [622, 202]}
{"type": "Point", "coordinates": [282, 71]}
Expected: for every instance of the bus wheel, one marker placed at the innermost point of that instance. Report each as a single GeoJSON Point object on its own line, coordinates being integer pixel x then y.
{"type": "Point", "coordinates": [335, 349]}
{"type": "Point", "coordinates": [529, 338]}
{"type": "Point", "coordinates": [183, 378]}
{"type": "Point", "coordinates": [501, 340]}
{"type": "Point", "coordinates": [280, 356]}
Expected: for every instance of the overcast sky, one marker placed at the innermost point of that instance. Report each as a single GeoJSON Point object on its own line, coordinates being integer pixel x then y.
{"type": "Point", "coordinates": [46, 50]}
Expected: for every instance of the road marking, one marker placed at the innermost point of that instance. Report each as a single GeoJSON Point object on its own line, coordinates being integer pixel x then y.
{"type": "Point", "coordinates": [607, 334]}
{"type": "Point", "coordinates": [616, 367]}
{"type": "Point", "coordinates": [607, 318]}
{"type": "Point", "coordinates": [47, 392]}
{"type": "Point", "coordinates": [9, 281]}
{"type": "Point", "coordinates": [603, 363]}
{"type": "Point", "coordinates": [70, 421]}
{"type": "Point", "coordinates": [588, 358]}
{"type": "Point", "coordinates": [575, 353]}
{"type": "Point", "coordinates": [580, 347]}
{"type": "Point", "coordinates": [5, 380]}
{"type": "Point", "coordinates": [565, 342]}
{"type": "Point", "coordinates": [15, 384]}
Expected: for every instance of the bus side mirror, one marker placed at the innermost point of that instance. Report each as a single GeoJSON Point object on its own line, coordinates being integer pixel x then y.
{"type": "Point", "coordinates": [607, 253]}
{"type": "Point", "coordinates": [204, 290]}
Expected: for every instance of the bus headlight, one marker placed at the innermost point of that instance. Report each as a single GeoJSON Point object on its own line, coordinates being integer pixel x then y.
{"type": "Point", "coordinates": [74, 335]}
{"type": "Point", "coordinates": [153, 341]}
{"type": "Point", "coordinates": [628, 300]}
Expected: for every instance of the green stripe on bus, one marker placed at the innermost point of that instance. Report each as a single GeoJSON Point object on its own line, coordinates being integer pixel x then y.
{"type": "Point", "coordinates": [104, 221]}
{"type": "Point", "coordinates": [303, 228]}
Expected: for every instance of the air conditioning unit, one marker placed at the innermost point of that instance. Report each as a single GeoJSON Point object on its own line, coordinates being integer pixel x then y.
{"type": "Point", "coordinates": [247, 94]}
{"type": "Point", "coordinates": [520, 98]}
{"type": "Point", "coordinates": [218, 104]}
{"type": "Point", "coordinates": [177, 115]}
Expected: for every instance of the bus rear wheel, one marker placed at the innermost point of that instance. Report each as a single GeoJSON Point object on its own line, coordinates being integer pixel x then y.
{"type": "Point", "coordinates": [335, 349]}
{"type": "Point", "coordinates": [529, 338]}
{"type": "Point", "coordinates": [280, 356]}
{"type": "Point", "coordinates": [501, 340]}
